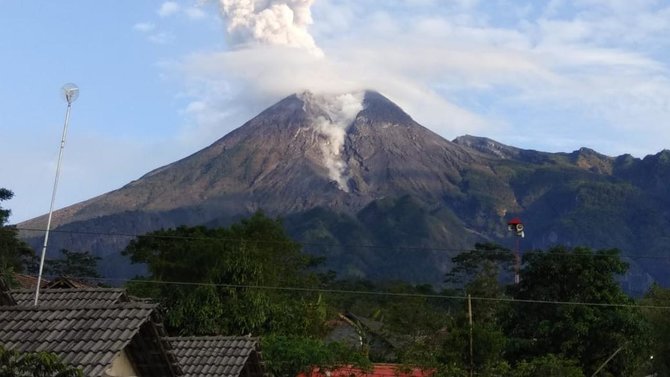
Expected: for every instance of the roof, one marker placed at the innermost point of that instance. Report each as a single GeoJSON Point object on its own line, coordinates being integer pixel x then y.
{"type": "Point", "coordinates": [27, 281]}
{"type": "Point", "coordinates": [71, 297]}
{"type": "Point", "coordinates": [5, 297]}
{"type": "Point", "coordinates": [378, 370]}
{"type": "Point", "coordinates": [67, 282]}
{"type": "Point", "coordinates": [90, 337]}
{"type": "Point", "coordinates": [223, 356]}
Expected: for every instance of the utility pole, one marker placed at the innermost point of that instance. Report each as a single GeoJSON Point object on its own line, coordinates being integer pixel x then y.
{"type": "Point", "coordinates": [472, 361]}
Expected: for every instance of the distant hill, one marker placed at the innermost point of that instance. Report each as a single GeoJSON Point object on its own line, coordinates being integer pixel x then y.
{"type": "Point", "coordinates": [358, 181]}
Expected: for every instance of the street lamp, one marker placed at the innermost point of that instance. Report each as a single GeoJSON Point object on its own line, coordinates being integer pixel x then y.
{"type": "Point", "coordinates": [70, 93]}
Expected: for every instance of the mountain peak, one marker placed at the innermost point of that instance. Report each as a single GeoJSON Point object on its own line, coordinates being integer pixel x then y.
{"type": "Point", "coordinates": [338, 109]}
{"type": "Point", "coordinates": [383, 109]}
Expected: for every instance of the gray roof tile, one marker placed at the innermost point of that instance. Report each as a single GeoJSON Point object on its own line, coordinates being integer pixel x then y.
{"type": "Point", "coordinates": [71, 297]}
{"type": "Point", "coordinates": [86, 336]}
{"type": "Point", "coordinates": [223, 356]}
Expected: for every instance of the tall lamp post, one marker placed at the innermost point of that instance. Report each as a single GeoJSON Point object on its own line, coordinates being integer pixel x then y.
{"type": "Point", "coordinates": [70, 93]}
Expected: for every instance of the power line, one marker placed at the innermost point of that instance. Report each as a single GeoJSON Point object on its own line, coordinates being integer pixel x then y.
{"type": "Point", "coordinates": [378, 293]}
{"type": "Point", "coordinates": [323, 244]}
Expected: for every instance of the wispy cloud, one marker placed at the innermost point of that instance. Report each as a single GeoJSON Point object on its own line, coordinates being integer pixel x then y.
{"type": "Point", "coordinates": [195, 13]}
{"type": "Point", "coordinates": [169, 8]}
{"type": "Point", "coordinates": [502, 69]}
{"type": "Point", "coordinates": [144, 26]}
{"type": "Point", "coordinates": [160, 38]}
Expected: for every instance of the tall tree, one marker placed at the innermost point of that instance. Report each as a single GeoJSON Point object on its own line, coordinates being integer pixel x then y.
{"type": "Point", "coordinates": [584, 314]}
{"type": "Point", "coordinates": [230, 280]}
{"type": "Point", "coordinates": [78, 264]}
{"type": "Point", "coordinates": [480, 273]}
{"type": "Point", "coordinates": [14, 253]}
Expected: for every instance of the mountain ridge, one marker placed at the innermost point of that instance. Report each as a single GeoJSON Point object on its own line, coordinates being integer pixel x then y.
{"type": "Point", "coordinates": [358, 162]}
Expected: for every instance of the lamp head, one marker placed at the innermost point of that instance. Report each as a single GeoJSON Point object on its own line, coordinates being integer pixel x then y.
{"type": "Point", "coordinates": [70, 92]}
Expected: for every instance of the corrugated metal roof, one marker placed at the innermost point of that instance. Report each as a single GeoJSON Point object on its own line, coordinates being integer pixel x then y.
{"type": "Point", "coordinates": [89, 337]}
{"type": "Point", "coordinates": [204, 356]}
{"type": "Point", "coordinates": [71, 297]}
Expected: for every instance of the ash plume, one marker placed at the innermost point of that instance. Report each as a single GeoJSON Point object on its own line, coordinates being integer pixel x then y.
{"type": "Point", "coordinates": [270, 22]}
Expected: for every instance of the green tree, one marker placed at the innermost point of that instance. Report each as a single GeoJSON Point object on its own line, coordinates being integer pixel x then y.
{"type": "Point", "coordinates": [486, 259]}
{"type": "Point", "coordinates": [480, 273]}
{"type": "Point", "coordinates": [14, 253]}
{"type": "Point", "coordinates": [34, 364]}
{"type": "Point", "coordinates": [230, 280]}
{"type": "Point", "coordinates": [659, 321]}
{"type": "Point", "coordinates": [548, 366]}
{"type": "Point", "coordinates": [488, 346]}
{"type": "Point", "coordinates": [292, 355]}
{"type": "Point", "coordinates": [586, 315]}
{"type": "Point", "coordinates": [73, 263]}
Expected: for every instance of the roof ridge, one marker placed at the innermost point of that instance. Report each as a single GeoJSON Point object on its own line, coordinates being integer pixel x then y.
{"type": "Point", "coordinates": [214, 337]}
{"type": "Point", "coordinates": [65, 290]}
{"type": "Point", "coordinates": [122, 305]}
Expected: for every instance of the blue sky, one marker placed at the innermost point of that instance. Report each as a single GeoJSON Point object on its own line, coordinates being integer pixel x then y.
{"type": "Point", "coordinates": [162, 79]}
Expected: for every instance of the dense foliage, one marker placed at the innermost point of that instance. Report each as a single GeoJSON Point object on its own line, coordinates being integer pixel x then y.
{"type": "Point", "coordinates": [229, 280]}
{"type": "Point", "coordinates": [291, 355]}
{"type": "Point", "coordinates": [567, 317]}
{"type": "Point", "coordinates": [77, 264]}
{"type": "Point", "coordinates": [34, 364]}
{"type": "Point", "coordinates": [586, 316]}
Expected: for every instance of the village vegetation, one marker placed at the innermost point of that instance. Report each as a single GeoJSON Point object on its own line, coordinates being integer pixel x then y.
{"type": "Point", "coordinates": [568, 315]}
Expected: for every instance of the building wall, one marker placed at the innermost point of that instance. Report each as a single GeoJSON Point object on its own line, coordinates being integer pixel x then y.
{"type": "Point", "coordinates": [122, 367]}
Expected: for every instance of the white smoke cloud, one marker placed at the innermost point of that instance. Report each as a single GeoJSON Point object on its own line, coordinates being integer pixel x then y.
{"type": "Point", "coordinates": [270, 22]}
{"type": "Point", "coordinates": [451, 67]}
{"type": "Point", "coordinates": [341, 110]}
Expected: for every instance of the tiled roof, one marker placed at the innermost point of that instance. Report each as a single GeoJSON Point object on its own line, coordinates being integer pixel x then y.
{"type": "Point", "coordinates": [27, 281]}
{"type": "Point", "coordinates": [222, 356]}
{"type": "Point", "coordinates": [71, 297]}
{"type": "Point", "coordinates": [67, 282]}
{"type": "Point", "coordinates": [86, 336]}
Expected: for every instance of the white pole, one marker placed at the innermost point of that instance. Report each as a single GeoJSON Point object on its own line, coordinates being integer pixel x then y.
{"type": "Point", "coordinates": [71, 93]}
{"type": "Point", "coordinates": [472, 359]}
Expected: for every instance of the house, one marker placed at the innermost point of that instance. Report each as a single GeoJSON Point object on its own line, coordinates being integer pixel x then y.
{"type": "Point", "coordinates": [125, 339]}
{"type": "Point", "coordinates": [218, 356]}
{"type": "Point", "coordinates": [67, 282]}
{"type": "Point", "coordinates": [377, 370]}
{"type": "Point", "coordinates": [108, 333]}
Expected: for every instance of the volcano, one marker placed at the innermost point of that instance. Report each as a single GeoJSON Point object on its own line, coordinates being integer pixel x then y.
{"type": "Point", "coordinates": [358, 181]}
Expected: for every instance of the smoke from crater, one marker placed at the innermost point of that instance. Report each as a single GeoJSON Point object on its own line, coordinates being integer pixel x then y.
{"type": "Point", "coordinates": [270, 22]}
